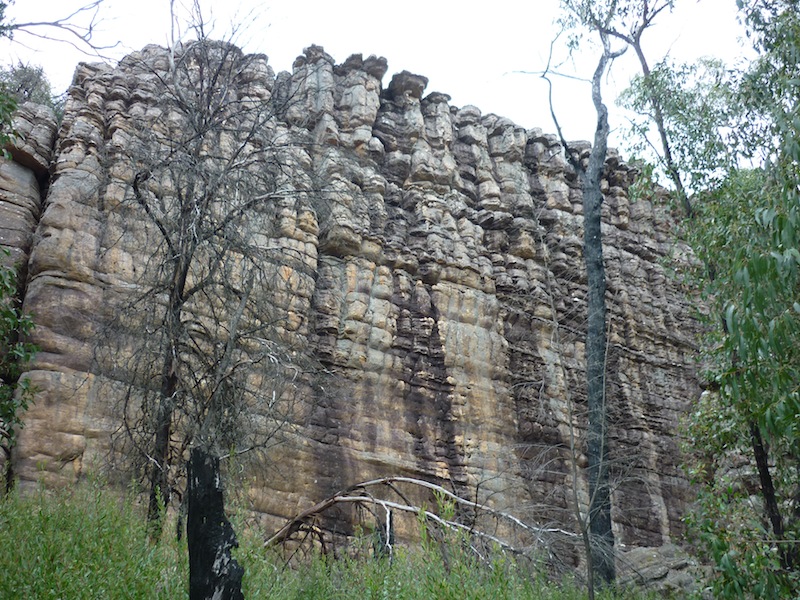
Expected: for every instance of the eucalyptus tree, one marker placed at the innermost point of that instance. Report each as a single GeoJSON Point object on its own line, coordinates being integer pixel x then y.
{"type": "Point", "coordinates": [618, 26]}
{"type": "Point", "coordinates": [742, 446]}
{"type": "Point", "coordinates": [699, 138]}
{"type": "Point", "coordinates": [747, 232]}
{"type": "Point", "coordinates": [747, 235]}
{"type": "Point", "coordinates": [632, 19]}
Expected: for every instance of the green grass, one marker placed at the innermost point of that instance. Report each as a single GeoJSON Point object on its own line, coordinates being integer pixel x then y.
{"type": "Point", "coordinates": [86, 542]}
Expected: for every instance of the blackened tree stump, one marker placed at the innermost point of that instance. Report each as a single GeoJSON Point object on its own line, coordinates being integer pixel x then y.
{"type": "Point", "coordinates": [213, 572]}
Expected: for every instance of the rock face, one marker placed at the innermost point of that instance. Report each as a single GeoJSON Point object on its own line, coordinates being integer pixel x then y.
{"type": "Point", "coordinates": [23, 180]}
{"type": "Point", "coordinates": [436, 275]}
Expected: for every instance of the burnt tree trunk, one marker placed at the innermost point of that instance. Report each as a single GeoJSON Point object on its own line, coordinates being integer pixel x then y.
{"type": "Point", "coordinates": [213, 572]}
{"type": "Point", "coordinates": [601, 552]}
{"type": "Point", "coordinates": [598, 534]}
{"type": "Point", "coordinates": [8, 471]}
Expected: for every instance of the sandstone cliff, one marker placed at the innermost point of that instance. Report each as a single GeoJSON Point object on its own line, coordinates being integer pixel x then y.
{"type": "Point", "coordinates": [435, 273]}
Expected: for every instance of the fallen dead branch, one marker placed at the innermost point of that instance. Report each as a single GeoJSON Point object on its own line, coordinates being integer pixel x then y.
{"type": "Point", "coordinates": [360, 494]}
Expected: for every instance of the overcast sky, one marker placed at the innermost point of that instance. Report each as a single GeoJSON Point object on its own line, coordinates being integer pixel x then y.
{"type": "Point", "coordinates": [477, 52]}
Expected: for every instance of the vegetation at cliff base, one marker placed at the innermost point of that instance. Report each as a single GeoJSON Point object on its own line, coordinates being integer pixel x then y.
{"type": "Point", "coordinates": [733, 136]}
{"type": "Point", "coordinates": [15, 354]}
{"type": "Point", "coordinates": [84, 543]}
{"type": "Point", "coordinates": [88, 542]}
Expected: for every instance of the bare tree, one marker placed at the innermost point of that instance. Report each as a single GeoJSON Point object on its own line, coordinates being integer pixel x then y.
{"type": "Point", "coordinates": [77, 28]}
{"type": "Point", "coordinates": [200, 338]}
{"type": "Point", "coordinates": [623, 22]}
{"type": "Point", "coordinates": [599, 537]}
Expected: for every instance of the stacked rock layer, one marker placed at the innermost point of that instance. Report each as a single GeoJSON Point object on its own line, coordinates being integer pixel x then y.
{"type": "Point", "coordinates": [433, 269]}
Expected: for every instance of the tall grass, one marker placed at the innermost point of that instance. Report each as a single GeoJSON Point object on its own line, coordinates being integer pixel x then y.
{"type": "Point", "coordinates": [83, 542]}
{"type": "Point", "coordinates": [86, 542]}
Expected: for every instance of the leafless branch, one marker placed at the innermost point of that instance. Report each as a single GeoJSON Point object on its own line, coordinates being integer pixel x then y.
{"type": "Point", "coordinates": [81, 37]}
{"type": "Point", "coordinates": [351, 495]}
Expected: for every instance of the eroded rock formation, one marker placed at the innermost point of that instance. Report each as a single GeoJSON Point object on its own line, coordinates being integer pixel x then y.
{"type": "Point", "coordinates": [436, 273]}
{"type": "Point", "coordinates": [23, 180]}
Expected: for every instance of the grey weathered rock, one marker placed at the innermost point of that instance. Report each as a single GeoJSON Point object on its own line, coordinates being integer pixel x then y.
{"type": "Point", "coordinates": [667, 569]}
{"type": "Point", "coordinates": [35, 127]}
{"type": "Point", "coordinates": [22, 180]}
{"type": "Point", "coordinates": [435, 271]}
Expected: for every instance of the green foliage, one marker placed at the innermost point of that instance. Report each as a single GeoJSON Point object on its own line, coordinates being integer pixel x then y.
{"type": "Point", "coordinates": [15, 354]}
{"type": "Point", "coordinates": [743, 438]}
{"type": "Point", "coordinates": [87, 542]}
{"type": "Point", "coordinates": [620, 19]}
{"type": "Point", "coordinates": [5, 27]}
{"type": "Point", "coordinates": [747, 236]}
{"type": "Point", "coordinates": [695, 100]}
{"type": "Point", "coordinates": [727, 523]}
{"type": "Point", "coordinates": [84, 543]}
{"type": "Point", "coordinates": [28, 83]}
{"type": "Point", "coordinates": [455, 570]}
{"type": "Point", "coordinates": [8, 105]}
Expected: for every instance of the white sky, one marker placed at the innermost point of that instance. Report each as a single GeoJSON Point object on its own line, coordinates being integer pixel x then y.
{"type": "Point", "coordinates": [473, 51]}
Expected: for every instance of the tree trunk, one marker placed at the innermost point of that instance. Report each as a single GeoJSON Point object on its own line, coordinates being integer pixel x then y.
{"type": "Point", "coordinates": [761, 453]}
{"type": "Point", "coordinates": [598, 535]}
{"type": "Point", "coordinates": [8, 471]}
{"type": "Point", "coordinates": [601, 535]}
{"type": "Point", "coordinates": [658, 117]}
{"type": "Point", "coordinates": [159, 481]}
{"type": "Point", "coordinates": [159, 484]}
{"type": "Point", "coordinates": [213, 572]}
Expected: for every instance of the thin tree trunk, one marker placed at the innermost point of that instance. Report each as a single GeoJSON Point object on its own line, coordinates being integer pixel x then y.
{"type": "Point", "coordinates": [159, 484]}
{"type": "Point", "coordinates": [599, 540]}
{"type": "Point", "coordinates": [8, 471]}
{"type": "Point", "coordinates": [601, 534]}
{"type": "Point", "coordinates": [159, 479]}
{"type": "Point", "coordinates": [658, 117]}
{"type": "Point", "coordinates": [768, 493]}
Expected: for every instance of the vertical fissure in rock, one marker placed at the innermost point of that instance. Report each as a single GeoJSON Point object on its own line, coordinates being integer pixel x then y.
{"type": "Point", "coordinates": [428, 393]}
